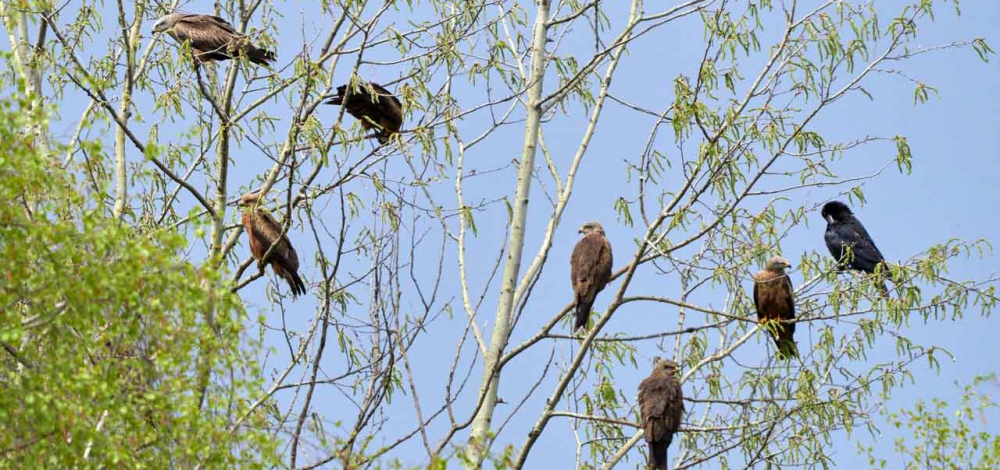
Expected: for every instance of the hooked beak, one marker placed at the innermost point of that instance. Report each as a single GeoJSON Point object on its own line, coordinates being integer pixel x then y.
{"type": "Point", "coordinates": [829, 218]}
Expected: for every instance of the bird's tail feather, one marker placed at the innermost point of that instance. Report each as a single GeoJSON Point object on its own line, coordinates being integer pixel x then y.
{"type": "Point", "coordinates": [295, 281]}
{"type": "Point", "coordinates": [582, 313]}
{"type": "Point", "coordinates": [261, 56]}
{"type": "Point", "coordinates": [292, 278]}
{"type": "Point", "coordinates": [657, 456]}
{"type": "Point", "coordinates": [786, 348]}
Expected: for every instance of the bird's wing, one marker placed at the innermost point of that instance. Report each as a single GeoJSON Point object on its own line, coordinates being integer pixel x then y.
{"type": "Point", "coordinates": [206, 33]}
{"type": "Point", "coordinates": [659, 398]}
{"type": "Point", "coordinates": [864, 248]}
{"type": "Point", "coordinates": [213, 21]}
{"type": "Point", "coordinates": [389, 106]}
{"type": "Point", "coordinates": [787, 298]}
{"type": "Point", "coordinates": [756, 292]}
{"type": "Point", "coordinates": [605, 262]}
{"type": "Point", "coordinates": [269, 229]}
{"type": "Point", "coordinates": [584, 263]}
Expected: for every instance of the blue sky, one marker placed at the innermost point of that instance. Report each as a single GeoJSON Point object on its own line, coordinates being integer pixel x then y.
{"type": "Point", "coordinates": [951, 193]}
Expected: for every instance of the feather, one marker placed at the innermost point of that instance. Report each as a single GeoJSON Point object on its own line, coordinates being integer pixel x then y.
{"type": "Point", "coordinates": [211, 38]}
{"type": "Point", "coordinates": [849, 243]}
{"type": "Point", "coordinates": [661, 407]}
{"type": "Point", "coordinates": [262, 232]}
{"type": "Point", "coordinates": [773, 299]}
{"type": "Point", "coordinates": [375, 108]}
{"type": "Point", "coordinates": [590, 270]}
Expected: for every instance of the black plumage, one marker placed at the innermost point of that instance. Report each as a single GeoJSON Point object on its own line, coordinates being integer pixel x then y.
{"type": "Point", "coordinates": [849, 242]}
{"type": "Point", "coordinates": [376, 108]}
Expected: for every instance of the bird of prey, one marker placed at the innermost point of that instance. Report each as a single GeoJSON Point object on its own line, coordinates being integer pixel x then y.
{"type": "Point", "coordinates": [661, 405]}
{"type": "Point", "coordinates": [211, 37]}
{"type": "Point", "coordinates": [262, 231]}
{"type": "Point", "coordinates": [844, 231]}
{"type": "Point", "coordinates": [772, 297]}
{"type": "Point", "coordinates": [375, 107]}
{"type": "Point", "coordinates": [590, 269]}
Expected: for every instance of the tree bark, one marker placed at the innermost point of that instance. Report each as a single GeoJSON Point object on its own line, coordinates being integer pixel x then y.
{"type": "Point", "coordinates": [502, 325]}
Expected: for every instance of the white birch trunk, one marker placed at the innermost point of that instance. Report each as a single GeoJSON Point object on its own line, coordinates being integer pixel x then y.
{"type": "Point", "coordinates": [481, 426]}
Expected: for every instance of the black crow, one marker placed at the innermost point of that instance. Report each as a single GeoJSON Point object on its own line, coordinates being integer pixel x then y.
{"type": "Point", "coordinates": [845, 230]}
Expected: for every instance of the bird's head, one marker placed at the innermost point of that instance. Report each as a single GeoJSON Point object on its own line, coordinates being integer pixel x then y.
{"type": "Point", "coordinates": [250, 199]}
{"type": "Point", "coordinates": [665, 365]}
{"type": "Point", "coordinates": [165, 23]}
{"type": "Point", "coordinates": [592, 227]}
{"type": "Point", "coordinates": [836, 211]}
{"type": "Point", "coordinates": [777, 264]}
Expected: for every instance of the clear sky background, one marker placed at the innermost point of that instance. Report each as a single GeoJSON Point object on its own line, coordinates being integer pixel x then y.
{"type": "Point", "coordinates": [951, 193]}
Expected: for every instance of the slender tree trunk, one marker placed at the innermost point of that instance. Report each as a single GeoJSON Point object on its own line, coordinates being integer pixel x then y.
{"type": "Point", "coordinates": [27, 63]}
{"type": "Point", "coordinates": [131, 49]}
{"type": "Point", "coordinates": [481, 426]}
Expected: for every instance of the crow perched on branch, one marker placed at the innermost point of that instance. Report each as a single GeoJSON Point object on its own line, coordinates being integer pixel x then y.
{"type": "Point", "coordinates": [849, 242]}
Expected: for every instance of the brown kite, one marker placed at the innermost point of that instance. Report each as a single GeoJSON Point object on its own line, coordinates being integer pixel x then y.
{"type": "Point", "coordinates": [772, 296]}
{"type": "Point", "coordinates": [590, 269]}
{"type": "Point", "coordinates": [263, 231]}
{"type": "Point", "coordinates": [211, 37]}
{"type": "Point", "coordinates": [375, 107]}
{"type": "Point", "coordinates": [661, 405]}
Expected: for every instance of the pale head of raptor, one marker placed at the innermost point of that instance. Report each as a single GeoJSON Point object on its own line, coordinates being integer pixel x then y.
{"type": "Point", "coordinates": [166, 22]}
{"type": "Point", "coordinates": [592, 227]}
{"type": "Point", "coordinates": [836, 211]}
{"type": "Point", "coordinates": [665, 365]}
{"type": "Point", "coordinates": [250, 199]}
{"type": "Point", "coordinates": [777, 264]}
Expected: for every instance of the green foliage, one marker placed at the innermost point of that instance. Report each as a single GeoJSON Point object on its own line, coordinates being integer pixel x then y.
{"type": "Point", "coordinates": [936, 439]}
{"type": "Point", "coordinates": [117, 353]}
{"type": "Point", "coordinates": [122, 344]}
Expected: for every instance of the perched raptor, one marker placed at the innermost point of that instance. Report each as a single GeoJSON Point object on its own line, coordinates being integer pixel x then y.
{"type": "Point", "coordinates": [263, 231]}
{"type": "Point", "coordinates": [590, 269]}
{"type": "Point", "coordinates": [843, 230]}
{"type": "Point", "coordinates": [661, 405]}
{"type": "Point", "coordinates": [375, 107]}
{"type": "Point", "coordinates": [772, 296]}
{"type": "Point", "coordinates": [211, 37]}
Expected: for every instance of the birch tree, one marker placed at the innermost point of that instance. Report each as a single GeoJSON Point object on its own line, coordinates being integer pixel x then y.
{"type": "Point", "coordinates": [437, 295]}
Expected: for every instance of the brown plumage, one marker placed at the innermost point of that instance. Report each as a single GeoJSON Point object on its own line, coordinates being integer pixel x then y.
{"type": "Point", "coordinates": [590, 269]}
{"type": "Point", "coordinates": [262, 231]}
{"type": "Point", "coordinates": [661, 406]}
{"type": "Point", "coordinates": [379, 110]}
{"type": "Point", "coordinates": [211, 37]}
{"type": "Point", "coordinates": [772, 297]}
